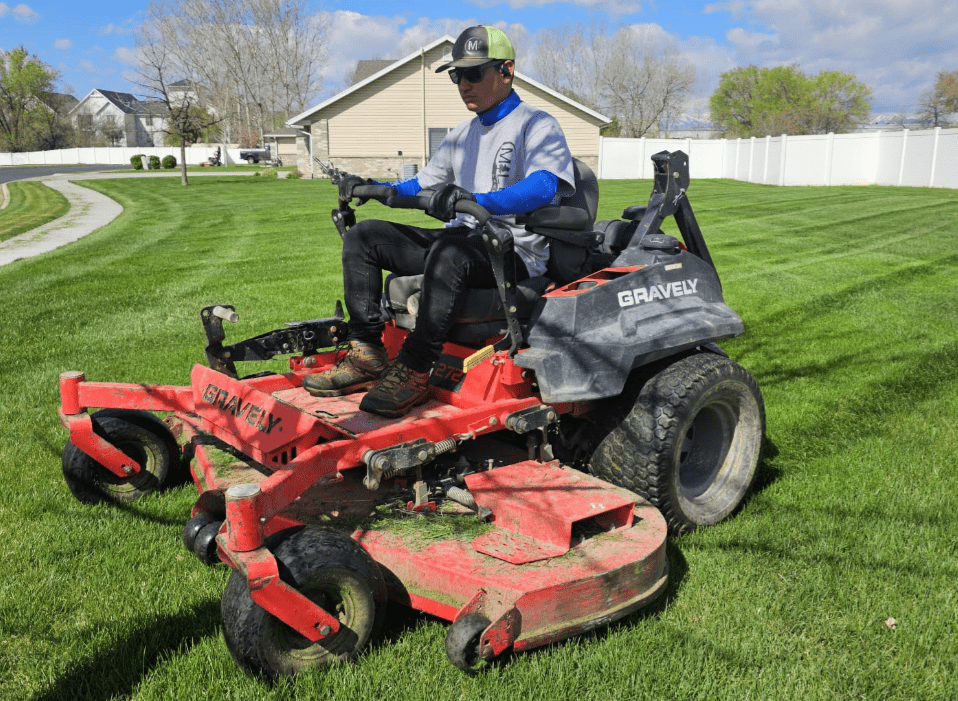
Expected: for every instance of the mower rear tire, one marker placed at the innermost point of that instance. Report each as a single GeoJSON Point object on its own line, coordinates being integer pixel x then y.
{"type": "Point", "coordinates": [691, 443]}
{"type": "Point", "coordinates": [331, 570]}
{"type": "Point", "coordinates": [91, 483]}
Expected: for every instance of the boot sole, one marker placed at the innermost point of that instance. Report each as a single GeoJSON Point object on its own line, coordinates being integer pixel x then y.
{"type": "Point", "coordinates": [348, 389]}
{"type": "Point", "coordinates": [393, 413]}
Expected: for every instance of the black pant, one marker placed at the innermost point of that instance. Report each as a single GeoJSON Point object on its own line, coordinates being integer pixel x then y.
{"type": "Point", "coordinates": [452, 260]}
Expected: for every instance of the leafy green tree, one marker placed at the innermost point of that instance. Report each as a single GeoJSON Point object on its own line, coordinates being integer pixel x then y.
{"type": "Point", "coordinates": [25, 83]}
{"type": "Point", "coordinates": [754, 101]}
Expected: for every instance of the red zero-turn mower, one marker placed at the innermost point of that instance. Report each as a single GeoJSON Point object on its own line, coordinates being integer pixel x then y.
{"type": "Point", "coordinates": [573, 421]}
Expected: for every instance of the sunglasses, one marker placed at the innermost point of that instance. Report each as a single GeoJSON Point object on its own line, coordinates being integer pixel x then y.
{"type": "Point", "coordinates": [472, 75]}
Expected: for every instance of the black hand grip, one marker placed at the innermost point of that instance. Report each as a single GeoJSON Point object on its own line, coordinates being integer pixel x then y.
{"type": "Point", "coordinates": [475, 209]}
{"type": "Point", "coordinates": [421, 201]}
{"type": "Point", "coordinates": [374, 192]}
{"type": "Point", "coordinates": [408, 202]}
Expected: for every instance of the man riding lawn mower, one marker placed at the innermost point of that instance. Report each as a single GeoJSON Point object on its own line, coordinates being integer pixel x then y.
{"type": "Point", "coordinates": [577, 411]}
{"type": "Point", "coordinates": [517, 158]}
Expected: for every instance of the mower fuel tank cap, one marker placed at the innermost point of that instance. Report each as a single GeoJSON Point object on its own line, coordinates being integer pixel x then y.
{"type": "Point", "coordinates": [661, 243]}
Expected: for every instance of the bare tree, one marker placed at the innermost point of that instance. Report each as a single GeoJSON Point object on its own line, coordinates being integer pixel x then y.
{"type": "Point", "coordinates": [644, 80]}
{"type": "Point", "coordinates": [169, 79]}
{"type": "Point", "coordinates": [258, 61]}
{"type": "Point", "coordinates": [637, 74]}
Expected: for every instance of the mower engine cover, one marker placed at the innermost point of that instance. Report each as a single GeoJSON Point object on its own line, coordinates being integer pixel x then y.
{"type": "Point", "coordinates": [586, 337]}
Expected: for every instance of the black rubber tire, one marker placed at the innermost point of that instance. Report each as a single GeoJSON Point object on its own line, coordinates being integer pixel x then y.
{"type": "Point", "coordinates": [204, 545]}
{"type": "Point", "coordinates": [153, 450]}
{"type": "Point", "coordinates": [463, 641]}
{"type": "Point", "coordinates": [195, 525]}
{"type": "Point", "coordinates": [330, 569]}
{"type": "Point", "coordinates": [691, 442]}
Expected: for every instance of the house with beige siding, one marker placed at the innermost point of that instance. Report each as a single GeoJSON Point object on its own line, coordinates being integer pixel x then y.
{"type": "Point", "coordinates": [389, 124]}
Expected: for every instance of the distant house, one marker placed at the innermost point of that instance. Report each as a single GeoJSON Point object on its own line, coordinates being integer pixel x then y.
{"type": "Point", "coordinates": [405, 106]}
{"type": "Point", "coordinates": [120, 118]}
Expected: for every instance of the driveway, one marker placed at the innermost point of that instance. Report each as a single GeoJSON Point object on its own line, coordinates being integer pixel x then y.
{"type": "Point", "coordinates": [9, 174]}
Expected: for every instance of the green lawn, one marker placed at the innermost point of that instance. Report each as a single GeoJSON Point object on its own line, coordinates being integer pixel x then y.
{"type": "Point", "coordinates": [850, 301]}
{"type": "Point", "coordinates": [32, 204]}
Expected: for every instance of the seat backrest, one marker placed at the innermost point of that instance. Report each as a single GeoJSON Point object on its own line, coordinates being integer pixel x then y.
{"type": "Point", "coordinates": [586, 190]}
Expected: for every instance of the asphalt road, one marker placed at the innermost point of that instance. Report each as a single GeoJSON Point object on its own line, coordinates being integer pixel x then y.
{"type": "Point", "coordinates": [10, 174]}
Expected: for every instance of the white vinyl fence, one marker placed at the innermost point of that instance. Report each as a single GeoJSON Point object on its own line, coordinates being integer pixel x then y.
{"type": "Point", "coordinates": [114, 155]}
{"type": "Point", "coordinates": [927, 158]}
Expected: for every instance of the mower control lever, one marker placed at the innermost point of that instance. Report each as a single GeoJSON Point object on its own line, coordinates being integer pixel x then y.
{"type": "Point", "coordinates": [373, 192]}
{"type": "Point", "coordinates": [421, 201]}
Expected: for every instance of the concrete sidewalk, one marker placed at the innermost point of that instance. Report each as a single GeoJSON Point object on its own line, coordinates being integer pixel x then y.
{"type": "Point", "coordinates": [89, 211]}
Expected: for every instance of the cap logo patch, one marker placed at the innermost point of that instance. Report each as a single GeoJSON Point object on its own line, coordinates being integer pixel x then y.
{"type": "Point", "coordinates": [473, 45]}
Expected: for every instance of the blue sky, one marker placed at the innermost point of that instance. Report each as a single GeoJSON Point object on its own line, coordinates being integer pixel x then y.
{"type": "Point", "coordinates": [895, 46]}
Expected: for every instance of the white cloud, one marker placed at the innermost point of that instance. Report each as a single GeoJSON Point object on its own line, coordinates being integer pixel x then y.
{"type": "Point", "coordinates": [126, 56]}
{"type": "Point", "coordinates": [894, 46]}
{"type": "Point", "coordinates": [21, 13]}
{"type": "Point", "coordinates": [355, 37]}
{"type": "Point", "coordinates": [126, 28]}
{"type": "Point", "coordinates": [612, 7]}
{"type": "Point", "coordinates": [63, 44]}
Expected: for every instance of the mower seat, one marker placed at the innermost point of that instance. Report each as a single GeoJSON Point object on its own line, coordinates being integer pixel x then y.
{"type": "Point", "coordinates": [572, 243]}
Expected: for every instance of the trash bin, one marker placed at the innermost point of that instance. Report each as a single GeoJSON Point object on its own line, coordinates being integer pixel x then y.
{"type": "Point", "coordinates": [409, 170]}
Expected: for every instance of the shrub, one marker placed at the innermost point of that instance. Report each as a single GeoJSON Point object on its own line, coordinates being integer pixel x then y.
{"type": "Point", "coordinates": [270, 174]}
{"type": "Point", "coordinates": [137, 162]}
{"type": "Point", "coordinates": [169, 161]}
{"type": "Point", "coordinates": [154, 162]}
{"type": "Point", "coordinates": [294, 175]}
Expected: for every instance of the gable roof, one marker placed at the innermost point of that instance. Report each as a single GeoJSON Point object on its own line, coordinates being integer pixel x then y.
{"type": "Point", "coordinates": [122, 100]}
{"type": "Point", "coordinates": [303, 119]}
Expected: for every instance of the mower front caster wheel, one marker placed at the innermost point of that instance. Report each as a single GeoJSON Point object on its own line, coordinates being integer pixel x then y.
{"type": "Point", "coordinates": [464, 641]}
{"type": "Point", "coordinates": [203, 543]}
{"type": "Point", "coordinates": [141, 439]}
{"type": "Point", "coordinates": [329, 569]}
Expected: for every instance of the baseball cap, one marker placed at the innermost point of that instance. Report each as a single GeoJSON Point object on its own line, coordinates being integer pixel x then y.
{"type": "Point", "coordinates": [479, 45]}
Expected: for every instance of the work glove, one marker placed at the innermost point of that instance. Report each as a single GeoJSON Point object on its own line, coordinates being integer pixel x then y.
{"type": "Point", "coordinates": [442, 204]}
{"type": "Point", "coordinates": [347, 184]}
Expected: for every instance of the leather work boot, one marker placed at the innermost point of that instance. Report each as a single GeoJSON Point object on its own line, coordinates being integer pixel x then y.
{"type": "Point", "coordinates": [400, 389]}
{"type": "Point", "coordinates": [359, 369]}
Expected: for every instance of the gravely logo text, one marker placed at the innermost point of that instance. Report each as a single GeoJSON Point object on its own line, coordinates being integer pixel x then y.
{"type": "Point", "coordinates": [252, 414]}
{"type": "Point", "coordinates": [641, 295]}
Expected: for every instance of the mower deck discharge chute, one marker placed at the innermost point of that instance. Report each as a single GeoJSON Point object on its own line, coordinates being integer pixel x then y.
{"type": "Point", "coordinates": [572, 423]}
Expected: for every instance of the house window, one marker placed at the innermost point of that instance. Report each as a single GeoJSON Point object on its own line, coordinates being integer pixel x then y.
{"type": "Point", "coordinates": [435, 138]}
{"type": "Point", "coordinates": [85, 121]}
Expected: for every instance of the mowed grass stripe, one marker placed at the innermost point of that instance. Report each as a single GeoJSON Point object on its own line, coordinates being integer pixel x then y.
{"type": "Point", "coordinates": [32, 204]}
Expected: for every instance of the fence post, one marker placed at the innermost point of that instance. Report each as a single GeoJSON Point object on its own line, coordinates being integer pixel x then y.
{"type": "Point", "coordinates": [724, 157]}
{"type": "Point", "coordinates": [768, 147]}
{"type": "Point", "coordinates": [934, 158]}
{"type": "Point", "coordinates": [642, 160]}
{"type": "Point", "coordinates": [904, 149]}
{"type": "Point", "coordinates": [829, 147]}
{"type": "Point", "coordinates": [738, 156]}
{"type": "Point", "coordinates": [601, 147]}
{"type": "Point", "coordinates": [781, 167]}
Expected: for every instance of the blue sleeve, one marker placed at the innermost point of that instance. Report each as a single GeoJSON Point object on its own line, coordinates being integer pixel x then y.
{"type": "Point", "coordinates": [404, 187]}
{"type": "Point", "coordinates": [532, 192]}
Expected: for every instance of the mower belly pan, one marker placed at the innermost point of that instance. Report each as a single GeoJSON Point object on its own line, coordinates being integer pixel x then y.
{"type": "Point", "coordinates": [607, 572]}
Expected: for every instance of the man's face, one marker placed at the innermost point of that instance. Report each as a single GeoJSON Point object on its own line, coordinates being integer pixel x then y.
{"type": "Point", "coordinates": [488, 92]}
